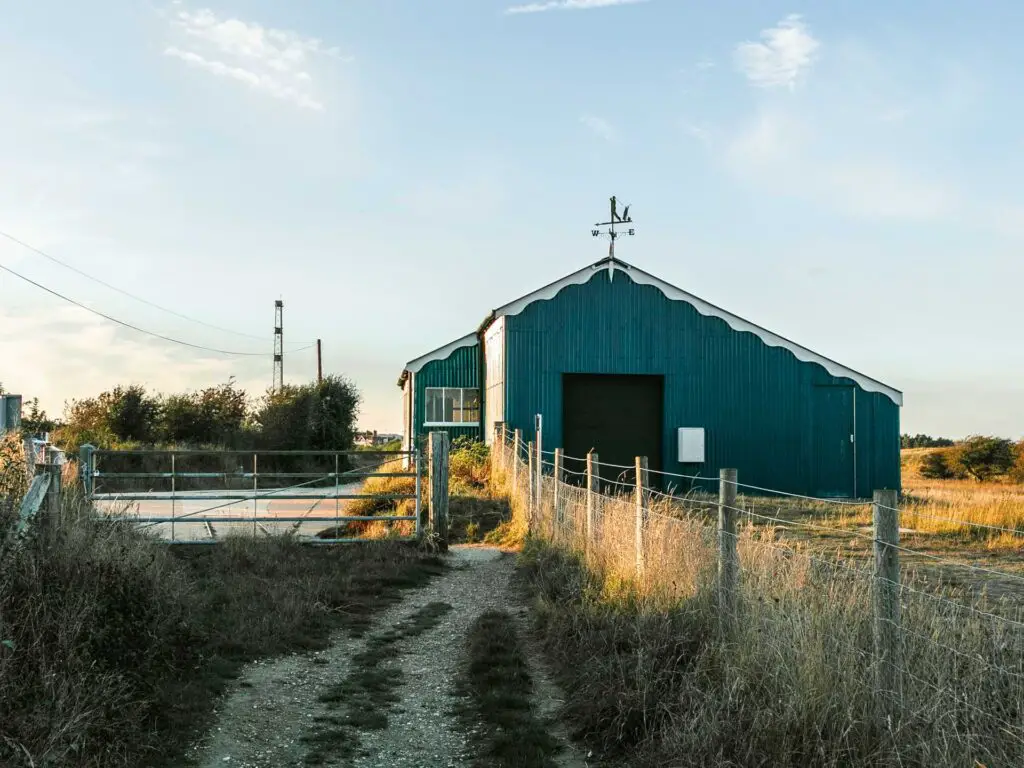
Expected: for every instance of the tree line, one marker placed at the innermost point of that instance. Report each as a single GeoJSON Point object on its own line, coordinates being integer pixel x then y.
{"type": "Point", "coordinates": [298, 417]}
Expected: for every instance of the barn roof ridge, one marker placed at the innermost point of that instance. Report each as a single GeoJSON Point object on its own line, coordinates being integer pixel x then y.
{"type": "Point", "coordinates": [641, 277]}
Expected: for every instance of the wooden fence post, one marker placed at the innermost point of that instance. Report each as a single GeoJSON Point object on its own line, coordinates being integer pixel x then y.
{"type": "Point", "coordinates": [439, 486]}
{"type": "Point", "coordinates": [48, 518]}
{"type": "Point", "coordinates": [558, 493]}
{"type": "Point", "coordinates": [517, 455]}
{"type": "Point", "coordinates": [532, 485]}
{"type": "Point", "coordinates": [888, 652]}
{"type": "Point", "coordinates": [539, 466]}
{"type": "Point", "coordinates": [593, 478]}
{"type": "Point", "coordinates": [728, 556]}
{"type": "Point", "coordinates": [641, 511]}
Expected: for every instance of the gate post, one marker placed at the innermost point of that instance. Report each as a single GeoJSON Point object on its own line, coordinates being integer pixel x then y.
{"type": "Point", "coordinates": [517, 454]}
{"type": "Point", "coordinates": [532, 485]}
{"type": "Point", "coordinates": [439, 486]}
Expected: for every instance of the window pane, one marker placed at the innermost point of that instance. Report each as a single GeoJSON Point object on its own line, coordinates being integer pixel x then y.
{"type": "Point", "coordinates": [434, 409]}
{"type": "Point", "coordinates": [451, 403]}
{"type": "Point", "coordinates": [471, 406]}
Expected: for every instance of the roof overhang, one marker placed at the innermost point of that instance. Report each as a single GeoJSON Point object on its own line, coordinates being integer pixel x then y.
{"type": "Point", "coordinates": [612, 265]}
{"type": "Point", "coordinates": [441, 353]}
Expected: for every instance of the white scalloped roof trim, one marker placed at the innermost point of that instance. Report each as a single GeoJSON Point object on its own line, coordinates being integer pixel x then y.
{"type": "Point", "coordinates": [441, 354]}
{"type": "Point", "coordinates": [709, 310]}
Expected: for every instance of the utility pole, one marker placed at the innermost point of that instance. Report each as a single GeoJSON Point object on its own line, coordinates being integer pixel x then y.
{"type": "Point", "coordinates": [611, 232]}
{"type": "Point", "coordinates": [319, 363]}
{"type": "Point", "coordinates": [278, 345]}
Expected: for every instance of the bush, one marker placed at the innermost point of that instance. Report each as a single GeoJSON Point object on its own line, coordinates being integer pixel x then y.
{"type": "Point", "coordinates": [982, 457]}
{"type": "Point", "coordinates": [1017, 470]}
{"type": "Point", "coordinates": [936, 466]}
{"type": "Point", "coordinates": [469, 468]}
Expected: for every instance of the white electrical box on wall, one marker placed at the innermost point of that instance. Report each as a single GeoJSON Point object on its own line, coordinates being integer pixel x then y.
{"type": "Point", "coordinates": [691, 445]}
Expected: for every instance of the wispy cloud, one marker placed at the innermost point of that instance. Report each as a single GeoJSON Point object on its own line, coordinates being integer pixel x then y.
{"type": "Point", "coordinates": [783, 56]}
{"type": "Point", "coordinates": [699, 132]}
{"type": "Point", "coordinates": [275, 61]}
{"type": "Point", "coordinates": [568, 5]}
{"type": "Point", "coordinates": [599, 126]}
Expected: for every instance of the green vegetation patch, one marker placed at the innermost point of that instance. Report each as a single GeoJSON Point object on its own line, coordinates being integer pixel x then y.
{"type": "Point", "coordinates": [364, 698]}
{"type": "Point", "coordinates": [498, 706]}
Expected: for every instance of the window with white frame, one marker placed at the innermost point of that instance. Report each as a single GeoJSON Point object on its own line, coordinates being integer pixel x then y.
{"type": "Point", "coordinates": [450, 407]}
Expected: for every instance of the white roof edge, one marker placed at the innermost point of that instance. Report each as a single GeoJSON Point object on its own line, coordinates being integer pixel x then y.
{"type": "Point", "coordinates": [705, 308]}
{"type": "Point", "coordinates": [440, 354]}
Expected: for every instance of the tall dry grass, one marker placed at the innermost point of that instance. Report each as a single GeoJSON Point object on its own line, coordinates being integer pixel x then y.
{"type": "Point", "coordinates": [656, 675]}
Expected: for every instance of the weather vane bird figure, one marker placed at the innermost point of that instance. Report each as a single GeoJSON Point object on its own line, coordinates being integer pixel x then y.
{"type": "Point", "coordinates": [611, 232]}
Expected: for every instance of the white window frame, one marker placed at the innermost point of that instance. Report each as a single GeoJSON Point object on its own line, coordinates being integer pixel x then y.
{"type": "Point", "coordinates": [462, 394]}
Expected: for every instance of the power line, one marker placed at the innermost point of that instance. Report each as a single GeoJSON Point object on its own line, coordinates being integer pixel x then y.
{"type": "Point", "coordinates": [123, 292]}
{"type": "Point", "coordinates": [129, 325]}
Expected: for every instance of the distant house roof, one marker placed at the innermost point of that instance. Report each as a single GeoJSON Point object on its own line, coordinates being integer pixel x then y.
{"type": "Point", "coordinates": [613, 265]}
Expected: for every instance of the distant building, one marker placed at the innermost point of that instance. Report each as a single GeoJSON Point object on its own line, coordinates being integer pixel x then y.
{"type": "Point", "coordinates": [372, 438]}
{"type": "Point", "coordinates": [618, 361]}
{"type": "Point", "coordinates": [10, 412]}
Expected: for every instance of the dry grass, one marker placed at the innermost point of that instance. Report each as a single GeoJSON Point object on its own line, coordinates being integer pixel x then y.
{"type": "Point", "coordinates": [113, 647]}
{"type": "Point", "coordinates": [656, 675]}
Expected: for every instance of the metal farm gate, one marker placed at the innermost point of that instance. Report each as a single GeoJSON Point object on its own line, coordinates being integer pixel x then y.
{"type": "Point", "coordinates": [196, 496]}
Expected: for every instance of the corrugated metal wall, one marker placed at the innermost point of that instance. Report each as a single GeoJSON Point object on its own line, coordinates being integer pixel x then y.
{"type": "Point", "coordinates": [460, 369]}
{"type": "Point", "coordinates": [494, 397]}
{"type": "Point", "coordinates": [756, 402]}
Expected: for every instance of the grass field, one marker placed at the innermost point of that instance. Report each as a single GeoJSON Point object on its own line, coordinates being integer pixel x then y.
{"type": "Point", "coordinates": [655, 674]}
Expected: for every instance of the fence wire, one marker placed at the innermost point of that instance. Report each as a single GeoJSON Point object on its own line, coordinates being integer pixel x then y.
{"type": "Point", "coordinates": [959, 661]}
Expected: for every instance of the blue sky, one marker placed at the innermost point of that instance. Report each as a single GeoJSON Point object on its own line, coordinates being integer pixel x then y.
{"type": "Point", "coordinates": [846, 174]}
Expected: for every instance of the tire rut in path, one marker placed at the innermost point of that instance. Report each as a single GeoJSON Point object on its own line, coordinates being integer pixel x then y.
{"type": "Point", "coordinates": [274, 709]}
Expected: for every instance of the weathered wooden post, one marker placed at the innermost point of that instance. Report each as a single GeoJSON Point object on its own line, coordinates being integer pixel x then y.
{"type": "Point", "coordinates": [888, 643]}
{"type": "Point", "coordinates": [422, 510]}
{"type": "Point", "coordinates": [517, 455]}
{"type": "Point", "coordinates": [641, 512]}
{"type": "Point", "coordinates": [557, 517]}
{"type": "Point", "coordinates": [530, 481]}
{"type": "Point", "coordinates": [439, 486]}
{"type": "Point", "coordinates": [50, 508]}
{"type": "Point", "coordinates": [593, 478]}
{"type": "Point", "coordinates": [728, 555]}
{"type": "Point", "coordinates": [539, 464]}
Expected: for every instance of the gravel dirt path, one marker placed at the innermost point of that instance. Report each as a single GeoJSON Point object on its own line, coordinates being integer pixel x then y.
{"type": "Point", "coordinates": [274, 705]}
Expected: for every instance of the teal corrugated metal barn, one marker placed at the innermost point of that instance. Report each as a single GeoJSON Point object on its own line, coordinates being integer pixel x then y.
{"type": "Point", "coordinates": [618, 361]}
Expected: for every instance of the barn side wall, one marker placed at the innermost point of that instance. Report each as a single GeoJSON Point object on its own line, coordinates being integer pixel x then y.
{"type": "Point", "coordinates": [755, 401]}
{"type": "Point", "coordinates": [460, 369]}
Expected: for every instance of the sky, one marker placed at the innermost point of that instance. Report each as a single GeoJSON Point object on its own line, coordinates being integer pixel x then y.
{"type": "Point", "coordinates": [846, 174]}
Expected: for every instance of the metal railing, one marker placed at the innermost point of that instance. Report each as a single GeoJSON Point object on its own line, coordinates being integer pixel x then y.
{"type": "Point", "coordinates": [152, 480]}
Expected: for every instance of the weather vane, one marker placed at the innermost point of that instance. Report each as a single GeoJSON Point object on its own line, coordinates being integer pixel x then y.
{"type": "Point", "coordinates": [612, 233]}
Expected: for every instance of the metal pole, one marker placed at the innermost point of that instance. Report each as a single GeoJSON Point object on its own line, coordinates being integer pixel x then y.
{"type": "Point", "coordinates": [319, 364]}
{"type": "Point", "coordinates": [558, 492]}
{"type": "Point", "coordinates": [337, 490]}
{"type": "Point", "coordinates": [173, 493]}
{"type": "Point", "coordinates": [255, 491]}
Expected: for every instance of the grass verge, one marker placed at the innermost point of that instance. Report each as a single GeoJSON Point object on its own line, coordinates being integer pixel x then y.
{"type": "Point", "coordinates": [363, 700]}
{"type": "Point", "coordinates": [498, 705]}
{"type": "Point", "coordinates": [113, 648]}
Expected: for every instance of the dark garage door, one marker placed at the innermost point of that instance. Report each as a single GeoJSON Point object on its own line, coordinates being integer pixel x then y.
{"type": "Point", "coordinates": [620, 417]}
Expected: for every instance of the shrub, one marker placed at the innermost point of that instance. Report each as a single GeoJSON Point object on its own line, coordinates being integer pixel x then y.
{"type": "Point", "coordinates": [983, 457]}
{"type": "Point", "coordinates": [469, 468]}
{"type": "Point", "coordinates": [935, 466]}
{"type": "Point", "coordinates": [1017, 470]}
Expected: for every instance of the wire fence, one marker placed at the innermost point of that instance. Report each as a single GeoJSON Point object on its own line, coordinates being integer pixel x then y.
{"type": "Point", "coordinates": [936, 664]}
